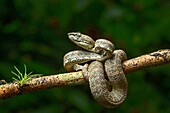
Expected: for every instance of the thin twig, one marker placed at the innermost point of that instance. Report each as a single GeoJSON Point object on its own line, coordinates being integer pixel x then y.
{"type": "Point", "coordinates": [76, 78]}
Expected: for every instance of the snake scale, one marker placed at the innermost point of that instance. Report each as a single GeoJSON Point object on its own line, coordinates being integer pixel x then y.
{"type": "Point", "coordinates": [106, 78]}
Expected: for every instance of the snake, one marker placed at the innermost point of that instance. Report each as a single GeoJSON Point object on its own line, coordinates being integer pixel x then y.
{"type": "Point", "coordinates": [106, 63]}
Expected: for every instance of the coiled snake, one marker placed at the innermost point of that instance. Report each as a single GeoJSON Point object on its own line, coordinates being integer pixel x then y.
{"type": "Point", "coordinates": [112, 92]}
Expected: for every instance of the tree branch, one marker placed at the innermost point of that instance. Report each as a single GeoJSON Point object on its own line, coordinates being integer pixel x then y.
{"type": "Point", "coordinates": [76, 78]}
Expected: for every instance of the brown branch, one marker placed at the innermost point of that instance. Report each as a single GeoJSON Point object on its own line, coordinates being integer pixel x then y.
{"type": "Point", "coordinates": [76, 78]}
{"type": "Point", "coordinates": [152, 59]}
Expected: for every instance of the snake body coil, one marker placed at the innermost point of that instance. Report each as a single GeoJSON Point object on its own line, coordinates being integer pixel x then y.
{"type": "Point", "coordinates": [117, 81]}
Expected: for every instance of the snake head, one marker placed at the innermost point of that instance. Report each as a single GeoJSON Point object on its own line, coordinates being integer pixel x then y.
{"type": "Point", "coordinates": [81, 40]}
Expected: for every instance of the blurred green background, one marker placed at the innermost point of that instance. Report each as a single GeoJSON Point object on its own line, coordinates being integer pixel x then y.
{"type": "Point", "coordinates": [34, 32]}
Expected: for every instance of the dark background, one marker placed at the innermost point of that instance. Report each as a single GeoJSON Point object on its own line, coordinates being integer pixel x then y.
{"type": "Point", "coordinates": [34, 32]}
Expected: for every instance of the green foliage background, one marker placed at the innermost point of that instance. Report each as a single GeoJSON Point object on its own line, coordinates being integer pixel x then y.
{"type": "Point", "coordinates": [34, 32]}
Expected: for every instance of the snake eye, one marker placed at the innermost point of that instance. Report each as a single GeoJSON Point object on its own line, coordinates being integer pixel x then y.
{"type": "Point", "coordinates": [78, 34]}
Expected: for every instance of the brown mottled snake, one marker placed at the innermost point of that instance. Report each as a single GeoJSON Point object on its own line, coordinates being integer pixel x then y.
{"type": "Point", "coordinates": [105, 64]}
